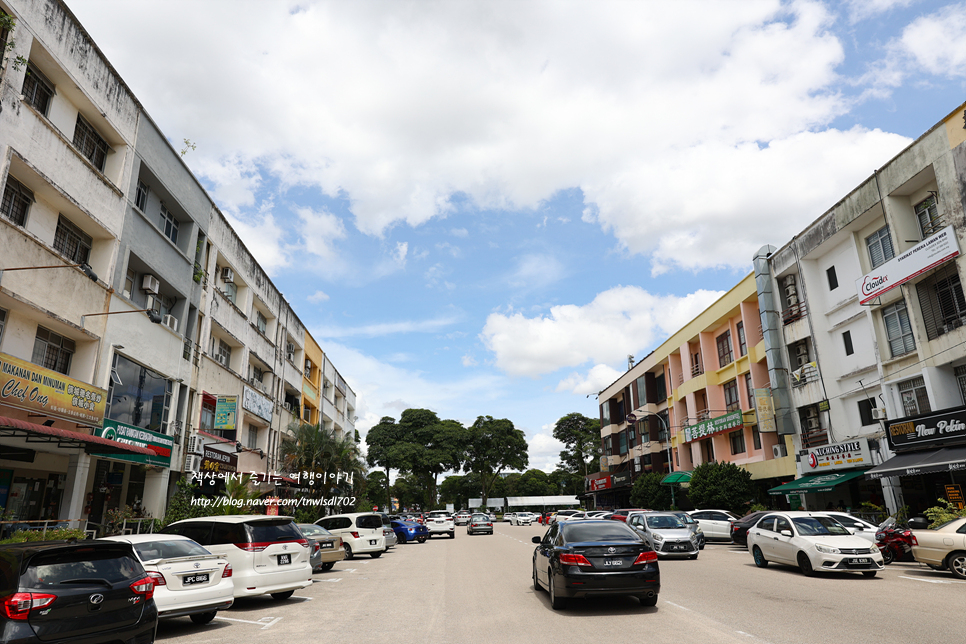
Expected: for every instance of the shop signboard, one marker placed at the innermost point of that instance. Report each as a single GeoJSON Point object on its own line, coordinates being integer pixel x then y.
{"type": "Point", "coordinates": [226, 412]}
{"type": "Point", "coordinates": [215, 461]}
{"type": "Point", "coordinates": [26, 386]}
{"type": "Point", "coordinates": [927, 431]}
{"type": "Point", "coordinates": [838, 456]}
{"type": "Point", "coordinates": [600, 484]}
{"type": "Point", "coordinates": [731, 420]}
{"type": "Point", "coordinates": [765, 409]}
{"type": "Point", "coordinates": [954, 494]}
{"type": "Point", "coordinates": [926, 255]}
{"type": "Point", "coordinates": [257, 404]}
{"type": "Point", "coordinates": [622, 478]}
{"type": "Point", "coordinates": [160, 444]}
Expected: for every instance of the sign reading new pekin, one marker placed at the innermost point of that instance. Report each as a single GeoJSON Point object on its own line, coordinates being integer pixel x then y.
{"type": "Point", "coordinates": [34, 389]}
{"type": "Point", "coordinates": [160, 444]}
{"type": "Point", "coordinates": [925, 255]}
{"type": "Point", "coordinates": [927, 430]}
{"type": "Point", "coordinates": [731, 420]}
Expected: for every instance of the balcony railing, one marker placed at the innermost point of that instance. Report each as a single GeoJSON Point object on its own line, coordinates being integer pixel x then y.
{"type": "Point", "coordinates": [804, 375]}
{"type": "Point", "coordinates": [934, 225]}
{"type": "Point", "coordinates": [814, 437]}
{"type": "Point", "coordinates": [697, 370]}
{"type": "Point", "coordinates": [793, 313]}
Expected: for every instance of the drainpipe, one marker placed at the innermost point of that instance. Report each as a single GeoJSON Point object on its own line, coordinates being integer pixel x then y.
{"type": "Point", "coordinates": [771, 330]}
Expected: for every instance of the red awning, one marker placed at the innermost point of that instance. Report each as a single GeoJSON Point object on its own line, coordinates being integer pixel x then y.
{"type": "Point", "coordinates": [66, 438]}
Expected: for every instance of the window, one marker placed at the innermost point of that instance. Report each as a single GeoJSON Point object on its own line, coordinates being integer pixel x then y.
{"type": "Point", "coordinates": [737, 442]}
{"type": "Point", "coordinates": [756, 436]}
{"type": "Point", "coordinates": [3, 322]}
{"type": "Point", "coordinates": [927, 212]}
{"type": "Point", "coordinates": [605, 413]}
{"type": "Point", "coordinates": [16, 201]}
{"type": "Point", "coordinates": [168, 224]}
{"type": "Point", "coordinates": [72, 242]}
{"type": "Point", "coordinates": [139, 396]}
{"type": "Point", "coordinates": [52, 351]}
{"type": "Point", "coordinates": [731, 395]}
{"type": "Point", "coordinates": [725, 352]}
{"type": "Point", "coordinates": [307, 414]}
{"type": "Point", "coordinates": [915, 400]}
{"type": "Point", "coordinates": [941, 302]}
{"type": "Point", "coordinates": [256, 373]}
{"type": "Point", "coordinates": [742, 344]}
{"type": "Point", "coordinates": [898, 329]}
{"type": "Point", "coordinates": [659, 384]}
{"type": "Point", "coordinates": [750, 390]}
{"type": "Point", "coordinates": [37, 90]}
{"type": "Point", "coordinates": [608, 448]}
{"type": "Point", "coordinates": [707, 449]}
{"type": "Point", "coordinates": [252, 437]}
{"type": "Point", "coordinates": [622, 443]}
{"type": "Point", "coordinates": [833, 280]}
{"type": "Point", "coordinates": [161, 304]}
{"type": "Point", "coordinates": [847, 339]}
{"type": "Point", "coordinates": [261, 322]}
{"type": "Point", "coordinates": [90, 143]}
{"type": "Point", "coordinates": [207, 415]}
{"type": "Point", "coordinates": [865, 411]}
{"type": "Point", "coordinates": [222, 351]}
{"type": "Point", "coordinates": [129, 281]}
{"type": "Point", "coordinates": [141, 196]}
{"type": "Point", "coordinates": [960, 379]}
{"type": "Point", "coordinates": [230, 292]}
{"type": "Point", "coordinates": [880, 247]}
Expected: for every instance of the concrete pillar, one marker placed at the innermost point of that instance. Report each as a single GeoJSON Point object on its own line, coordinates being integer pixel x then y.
{"type": "Point", "coordinates": [156, 492]}
{"type": "Point", "coordinates": [75, 490]}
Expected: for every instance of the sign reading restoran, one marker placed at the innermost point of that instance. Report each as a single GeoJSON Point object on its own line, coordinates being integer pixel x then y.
{"type": "Point", "coordinates": [731, 420]}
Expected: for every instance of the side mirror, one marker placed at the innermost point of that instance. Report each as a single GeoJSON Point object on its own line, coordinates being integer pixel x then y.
{"type": "Point", "coordinates": [786, 533]}
{"type": "Point", "coordinates": [858, 528]}
{"type": "Point", "coordinates": [535, 539]}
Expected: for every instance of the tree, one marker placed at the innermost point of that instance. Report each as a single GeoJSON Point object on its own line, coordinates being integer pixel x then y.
{"type": "Point", "coordinates": [335, 461]}
{"type": "Point", "coordinates": [494, 445]}
{"type": "Point", "coordinates": [563, 482]}
{"type": "Point", "coordinates": [721, 485]}
{"type": "Point", "coordinates": [535, 483]}
{"type": "Point", "coordinates": [649, 493]}
{"type": "Point", "coordinates": [581, 436]}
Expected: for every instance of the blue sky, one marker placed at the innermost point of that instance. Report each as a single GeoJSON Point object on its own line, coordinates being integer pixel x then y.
{"type": "Point", "coordinates": [483, 208]}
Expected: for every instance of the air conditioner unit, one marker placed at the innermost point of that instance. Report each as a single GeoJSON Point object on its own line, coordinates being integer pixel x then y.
{"type": "Point", "coordinates": [801, 349]}
{"type": "Point", "coordinates": [812, 412]}
{"type": "Point", "coordinates": [879, 414]}
{"type": "Point", "coordinates": [308, 364]}
{"type": "Point", "coordinates": [791, 291]}
{"type": "Point", "coordinates": [789, 281]}
{"type": "Point", "coordinates": [778, 451]}
{"type": "Point", "coordinates": [195, 444]}
{"type": "Point", "coordinates": [222, 359]}
{"type": "Point", "coordinates": [802, 360]}
{"type": "Point", "coordinates": [792, 300]}
{"type": "Point", "coordinates": [813, 423]}
{"type": "Point", "coordinates": [192, 463]}
{"type": "Point", "coordinates": [288, 407]}
{"type": "Point", "coordinates": [227, 275]}
{"type": "Point", "coordinates": [150, 284]}
{"type": "Point", "coordinates": [171, 322]}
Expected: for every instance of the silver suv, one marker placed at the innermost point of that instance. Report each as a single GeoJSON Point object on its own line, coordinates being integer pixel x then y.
{"type": "Point", "coordinates": [440, 522]}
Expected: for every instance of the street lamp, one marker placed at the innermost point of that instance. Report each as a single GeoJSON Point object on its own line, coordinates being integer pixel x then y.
{"type": "Point", "coordinates": [153, 315]}
{"type": "Point", "coordinates": [667, 432]}
{"type": "Point", "coordinates": [83, 266]}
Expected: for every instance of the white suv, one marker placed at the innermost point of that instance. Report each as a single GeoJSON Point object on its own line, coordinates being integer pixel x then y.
{"type": "Point", "coordinates": [440, 522]}
{"type": "Point", "coordinates": [268, 555]}
{"type": "Point", "coordinates": [361, 533]}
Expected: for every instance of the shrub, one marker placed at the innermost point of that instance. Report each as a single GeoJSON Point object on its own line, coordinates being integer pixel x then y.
{"type": "Point", "coordinates": [943, 513]}
{"type": "Point", "coordinates": [55, 534]}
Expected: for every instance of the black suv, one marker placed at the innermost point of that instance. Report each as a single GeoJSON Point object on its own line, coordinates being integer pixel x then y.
{"type": "Point", "coordinates": [86, 592]}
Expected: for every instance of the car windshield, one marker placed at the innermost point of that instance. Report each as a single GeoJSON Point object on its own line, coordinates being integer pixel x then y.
{"type": "Point", "coordinates": [665, 522]}
{"type": "Point", "coordinates": [592, 531]}
{"type": "Point", "coordinates": [819, 526]}
{"type": "Point", "coordinates": [481, 517]}
{"type": "Point", "coordinates": [59, 567]}
{"type": "Point", "coordinates": [150, 550]}
{"type": "Point", "coordinates": [274, 530]}
{"type": "Point", "coordinates": [312, 530]}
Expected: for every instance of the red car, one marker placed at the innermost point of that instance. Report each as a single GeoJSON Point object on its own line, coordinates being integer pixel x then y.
{"type": "Point", "coordinates": [621, 515]}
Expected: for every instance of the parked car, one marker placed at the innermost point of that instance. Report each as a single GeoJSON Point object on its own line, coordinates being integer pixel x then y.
{"type": "Point", "coordinates": [942, 548]}
{"type": "Point", "coordinates": [390, 536]}
{"type": "Point", "coordinates": [739, 529]}
{"type": "Point", "coordinates": [522, 518]}
{"type": "Point", "coordinates": [361, 533]}
{"type": "Point", "coordinates": [329, 548]}
{"type": "Point", "coordinates": [813, 541]}
{"type": "Point", "coordinates": [480, 523]}
{"type": "Point", "coordinates": [562, 515]}
{"type": "Point", "coordinates": [621, 515]}
{"type": "Point", "coordinates": [188, 580]}
{"type": "Point", "coordinates": [576, 516]}
{"type": "Point", "coordinates": [407, 531]}
{"type": "Point", "coordinates": [440, 522]}
{"type": "Point", "coordinates": [508, 517]}
{"type": "Point", "coordinates": [462, 518]}
{"type": "Point", "coordinates": [109, 597]}
{"type": "Point", "coordinates": [716, 524]}
{"type": "Point", "coordinates": [581, 558]}
{"type": "Point", "coordinates": [693, 526]}
{"type": "Point", "coordinates": [855, 525]}
{"type": "Point", "coordinates": [667, 534]}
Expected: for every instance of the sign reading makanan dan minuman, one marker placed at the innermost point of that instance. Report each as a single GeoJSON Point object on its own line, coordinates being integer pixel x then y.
{"type": "Point", "coordinates": [927, 430]}
{"type": "Point", "coordinates": [925, 255]}
{"type": "Point", "coordinates": [26, 386]}
{"type": "Point", "coordinates": [731, 420]}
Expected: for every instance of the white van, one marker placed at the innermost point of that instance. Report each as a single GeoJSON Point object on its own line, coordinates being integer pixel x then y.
{"type": "Point", "coordinates": [361, 532]}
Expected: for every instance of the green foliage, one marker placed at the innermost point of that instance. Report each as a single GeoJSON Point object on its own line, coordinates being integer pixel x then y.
{"type": "Point", "coordinates": [56, 534]}
{"type": "Point", "coordinates": [721, 485]}
{"type": "Point", "coordinates": [534, 483]}
{"type": "Point", "coordinates": [244, 497]}
{"type": "Point", "coordinates": [581, 436]}
{"type": "Point", "coordinates": [179, 506]}
{"type": "Point", "coordinates": [308, 514]}
{"type": "Point", "coordinates": [315, 450]}
{"type": "Point", "coordinates": [755, 507]}
{"type": "Point", "coordinates": [495, 445]}
{"type": "Point", "coordinates": [877, 511]}
{"type": "Point", "coordinates": [649, 493]}
{"type": "Point", "coordinates": [115, 520]}
{"type": "Point", "coordinates": [943, 513]}
{"type": "Point", "coordinates": [7, 24]}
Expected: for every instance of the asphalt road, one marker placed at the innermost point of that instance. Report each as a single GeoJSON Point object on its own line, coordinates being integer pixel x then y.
{"type": "Point", "coordinates": [478, 589]}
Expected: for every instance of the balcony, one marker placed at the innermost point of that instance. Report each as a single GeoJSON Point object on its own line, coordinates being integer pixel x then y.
{"type": "Point", "coordinates": [697, 370]}
{"type": "Point", "coordinates": [815, 437]}
{"type": "Point", "coordinates": [805, 374]}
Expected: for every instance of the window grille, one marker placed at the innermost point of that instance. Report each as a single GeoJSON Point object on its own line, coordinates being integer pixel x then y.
{"type": "Point", "coordinates": [898, 329]}
{"type": "Point", "coordinates": [72, 242]}
{"type": "Point", "coordinates": [16, 201]}
{"type": "Point", "coordinates": [37, 90]}
{"type": "Point", "coordinates": [90, 143]}
{"type": "Point", "coordinates": [880, 247]}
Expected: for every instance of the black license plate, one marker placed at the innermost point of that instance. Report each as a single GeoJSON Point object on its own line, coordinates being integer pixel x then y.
{"type": "Point", "coordinates": [860, 561]}
{"type": "Point", "coordinates": [187, 580]}
{"type": "Point", "coordinates": [373, 542]}
{"type": "Point", "coordinates": [326, 544]}
{"type": "Point", "coordinates": [284, 560]}
{"type": "Point", "coordinates": [613, 562]}
{"type": "Point", "coordinates": [679, 548]}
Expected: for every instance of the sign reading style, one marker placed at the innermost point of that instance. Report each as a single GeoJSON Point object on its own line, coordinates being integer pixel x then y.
{"type": "Point", "coordinates": [925, 255]}
{"type": "Point", "coordinates": [160, 444]}
{"type": "Point", "coordinates": [226, 411]}
{"type": "Point", "coordinates": [839, 456]}
{"type": "Point", "coordinates": [731, 420]}
{"type": "Point", "coordinates": [26, 386]}
{"type": "Point", "coordinates": [928, 430]}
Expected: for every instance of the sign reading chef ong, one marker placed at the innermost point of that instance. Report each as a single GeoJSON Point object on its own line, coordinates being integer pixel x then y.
{"type": "Point", "coordinates": [26, 386]}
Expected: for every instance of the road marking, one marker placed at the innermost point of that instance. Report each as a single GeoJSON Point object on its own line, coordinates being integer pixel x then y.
{"type": "Point", "coordinates": [328, 581]}
{"type": "Point", "coordinates": [271, 621]}
{"type": "Point", "coordinates": [677, 606]}
{"type": "Point", "coordinates": [933, 581]}
{"type": "Point", "coordinates": [274, 620]}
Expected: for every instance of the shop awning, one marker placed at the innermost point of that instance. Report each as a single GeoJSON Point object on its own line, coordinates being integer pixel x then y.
{"type": "Point", "coordinates": [34, 433]}
{"type": "Point", "coordinates": [816, 483]}
{"type": "Point", "coordinates": [910, 464]}
{"type": "Point", "coordinates": [676, 478]}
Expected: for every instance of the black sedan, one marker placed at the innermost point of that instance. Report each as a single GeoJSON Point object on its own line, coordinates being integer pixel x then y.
{"type": "Point", "coordinates": [739, 529]}
{"type": "Point", "coordinates": [594, 558]}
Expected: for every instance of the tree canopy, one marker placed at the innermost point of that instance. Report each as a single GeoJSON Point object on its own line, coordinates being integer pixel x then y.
{"type": "Point", "coordinates": [721, 485]}
{"type": "Point", "coordinates": [581, 436]}
{"type": "Point", "coordinates": [494, 445]}
{"type": "Point", "coordinates": [649, 493]}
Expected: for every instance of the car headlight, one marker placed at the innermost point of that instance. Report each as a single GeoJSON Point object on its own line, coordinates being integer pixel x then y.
{"type": "Point", "coordinates": [827, 549]}
{"type": "Point", "coordinates": [657, 537]}
{"type": "Point", "coordinates": [699, 530]}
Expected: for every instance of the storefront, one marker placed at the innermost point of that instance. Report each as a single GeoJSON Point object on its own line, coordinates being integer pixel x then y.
{"type": "Point", "coordinates": [833, 478]}
{"type": "Point", "coordinates": [930, 460]}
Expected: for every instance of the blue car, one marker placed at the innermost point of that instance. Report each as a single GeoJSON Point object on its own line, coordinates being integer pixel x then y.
{"type": "Point", "coordinates": [407, 531]}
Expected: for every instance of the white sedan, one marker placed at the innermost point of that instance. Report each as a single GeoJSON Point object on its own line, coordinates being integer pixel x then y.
{"type": "Point", "coordinates": [813, 541]}
{"type": "Point", "coordinates": [188, 580]}
{"type": "Point", "coordinates": [856, 526]}
{"type": "Point", "coordinates": [522, 518]}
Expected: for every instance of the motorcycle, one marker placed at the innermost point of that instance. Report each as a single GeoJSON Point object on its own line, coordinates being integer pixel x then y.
{"type": "Point", "coordinates": [894, 542]}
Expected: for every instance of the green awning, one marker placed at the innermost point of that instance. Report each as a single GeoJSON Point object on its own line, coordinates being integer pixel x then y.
{"type": "Point", "coordinates": [675, 478]}
{"type": "Point", "coordinates": [815, 483]}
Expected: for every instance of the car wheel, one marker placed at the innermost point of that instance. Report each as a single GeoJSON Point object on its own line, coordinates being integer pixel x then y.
{"type": "Point", "coordinates": [693, 557]}
{"type": "Point", "coordinates": [648, 601]}
{"type": "Point", "coordinates": [759, 556]}
{"type": "Point", "coordinates": [422, 540]}
{"type": "Point", "coordinates": [868, 573]}
{"type": "Point", "coordinates": [375, 555]}
{"type": "Point", "coordinates": [956, 562]}
{"type": "Point", "coordinates": [452, 535]}
{"type": "Point", "coordinates": [327, 566]}
{"type": "Point", "coordinates": [805, 564]}
{"type": "Point", "coordinates": [203, 618]}
{"type": "Point", "coordinates": [348, 551]}
{"type": "Point", "coordinates": [556, 602]}
{"type": "Point", "coordinates": [285, 595]}
{"type": "Point", "coordinates": [536, 584]}
{"type": "Point", "coordinates": [888, 556]}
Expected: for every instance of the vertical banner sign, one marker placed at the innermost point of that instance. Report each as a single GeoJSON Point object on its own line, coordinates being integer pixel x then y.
{"type": "Point", "coordinates": [955, 495]}
{"type": "Point", "coordinates": [765, 407]}
{"type": "Point", "coordinates": [226, 411]}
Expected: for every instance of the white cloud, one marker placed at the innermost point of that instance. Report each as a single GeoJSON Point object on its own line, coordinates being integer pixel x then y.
{"type": "Point", "coordinates": [859, 10]}
{"type": "Point", "coordinates": [264, 237]}
{"type": "Point", "coordinates": [469, 361]}
{"type": "Point", "coordinates": [935, 41]}
{"type": "Point", "coordinates": [460, 232]}
{"type": "Point", "coordinates": [402, 248]}
{"type": "Point", "coordinates": [544, 450]}
{"type": "Point", "coordinates": [318, 297]}
{"type": "Point", "coordinates": [536, 271]}
{"type": "Point", "coordinates": [622, 320]}
{"type": "Point", "coordinates": [448, 248]}
{"type": "Point", "coordinates": [593, 382]}
{"type": "Point", "coordinates": [388, 328]}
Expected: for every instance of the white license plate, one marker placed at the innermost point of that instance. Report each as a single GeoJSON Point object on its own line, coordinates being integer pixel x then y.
{"type": "Point", "coordinates": [373, 542]}
{"type": "Point", "coordinates": [613, 562]}
{"type": "Point", "coordinates": [326, 544]}
{"type": "Point", "coordinates": [284, 559]}
{"type": "Point", "coordinates": [862, 560]}
{"type": "Point", "coordinates": [187, 580]}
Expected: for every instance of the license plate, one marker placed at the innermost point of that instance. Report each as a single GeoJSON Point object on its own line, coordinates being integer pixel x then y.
{"type": "Point", "coordinates": [284, 559]}
{"type": "Point", "coordinates": [373, 542]}
{"type": "Point", "coordinates": [187, 580]}
{"type": "Point", "coordinates": [326, 544]}
{"type": "Point", "coordinates": [680, 548]}
{"type": "Point", "coordinates": [862, 560]}
{"type": "Point", "coordinates": [613, 562]}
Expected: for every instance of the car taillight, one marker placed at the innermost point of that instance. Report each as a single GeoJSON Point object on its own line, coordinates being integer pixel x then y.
{"type": "Point", "coordinates": [355, 535]}
{"type": "Point", "coordinates": [646, 557]}
{"type": "Point", "coordinates": [144, 587]}
{"type": "Point", "coordinates": [157, 578]}
{"type": "Point", "coordinates": [253, 547]}
{"type": "Point", "coordinates": [574, 560]}
{"type": "Point", "coordinates": [317, 547]}
{"type": "Point", "coordinates": [226, 572]}
{"type": "Point", "coordinates": [302, 542]}
{"type": "Point", "coordinates": [490, 524]}
{"type": "Point", "coordinates": [915, 541]}
{"type": "Point", "coordinates": [19, 605]}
